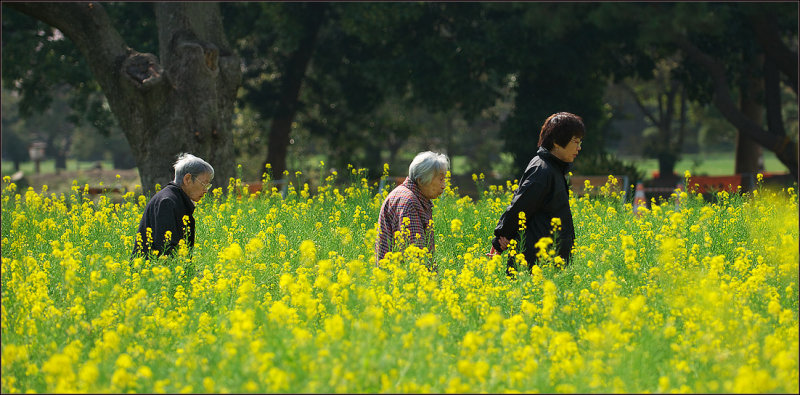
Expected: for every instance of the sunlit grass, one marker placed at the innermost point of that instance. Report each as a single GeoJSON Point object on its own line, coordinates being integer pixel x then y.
{"type": "Point", "coordinates": [708, 164]}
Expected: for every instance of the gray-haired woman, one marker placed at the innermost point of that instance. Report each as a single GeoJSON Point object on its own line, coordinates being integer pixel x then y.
{"type": "Point", "coordinates": [412, 200]}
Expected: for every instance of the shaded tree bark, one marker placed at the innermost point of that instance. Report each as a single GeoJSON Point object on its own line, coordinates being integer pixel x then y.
{"type": "Point", "coordinates": [772, 98]}
{"type": "Point", "coordinates": [184, 103]}
{"type": "Point", "coordinates": [776, 51]}
{"type": "Point", "coordinates": [749, 158]}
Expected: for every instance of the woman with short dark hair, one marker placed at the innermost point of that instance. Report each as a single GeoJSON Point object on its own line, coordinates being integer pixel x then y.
{"type": "Point", "coordinates": [543, 193]}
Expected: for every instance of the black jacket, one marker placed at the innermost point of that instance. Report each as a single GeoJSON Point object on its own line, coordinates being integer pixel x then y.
{"type": "Point", "coordinates": [164, 212]}
{"type": "Point", "coordinates": [543, 194]}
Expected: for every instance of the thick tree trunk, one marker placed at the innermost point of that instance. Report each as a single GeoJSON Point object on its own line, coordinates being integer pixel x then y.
{"type": "Point", "coordinates": [749, 157]}
{"type": "Point", "coordinates": [183, 104]}
{"type": "Point", "coordinates": [278, 145]}
{"type": "Point", "coordinates": [772, 98]}
{"type": "Point", "coordinates": [284, 115]}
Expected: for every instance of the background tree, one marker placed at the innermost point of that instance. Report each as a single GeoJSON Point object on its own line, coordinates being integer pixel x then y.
{"type": "Point", "coordinates": [180, 101]}
{"type": "Point", "coordinates": [366, 83]}
{"type": "Point", "coordinates": [664, 103]}
{"type": "Point", "coordinates": [15, 140]}
{"type": "Point", "coordinates": [361, 66]}
{"type": "Point", "coordinates": [730, 64]}
{"type": "Point", "coordinates": [551, 73]}
{"type": "Point", "coordinates": [44, 69]}
{"type": "Point", "coordinates": [277, 41]}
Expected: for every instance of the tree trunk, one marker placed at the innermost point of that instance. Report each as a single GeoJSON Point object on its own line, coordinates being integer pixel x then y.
{"type": "Point", "coordinates": [183, 104]}
{"type": "Point", "coordinates": [681, 118]}
{"type": "Point", "coordinates": [784, 59]}
{"type": "Point", "coordinates": [772, 98]}
{"type": "Point", "coordinates": [284, 115]}
{"type": "Point", "coordinates": [749, 157]}
{"type": "Point", "coordinates": [373, 161]}
{"type": "Point", "coordinates": [667, 155]}
{"type": "Point", "coordinates": [748, 153]}
{"type": "Point", "coordinates": [63, 150]}
{"type": "Point", "coordinates": [61, 159]}
{"type": "Point", "coordinates": [666, 164]}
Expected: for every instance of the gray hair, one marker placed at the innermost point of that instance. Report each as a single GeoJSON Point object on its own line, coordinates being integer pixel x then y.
{"type": "Point", "coordinates": [426, 165]}
{"type": "Point", "coordinates": [190, 164]}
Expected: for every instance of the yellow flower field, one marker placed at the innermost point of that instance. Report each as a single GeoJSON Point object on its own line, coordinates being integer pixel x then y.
{"type": "Point", "coordinates": [282, 295]}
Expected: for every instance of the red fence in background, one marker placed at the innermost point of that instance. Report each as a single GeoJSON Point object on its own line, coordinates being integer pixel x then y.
{"type": "Point", "coordinates": [711, 184]}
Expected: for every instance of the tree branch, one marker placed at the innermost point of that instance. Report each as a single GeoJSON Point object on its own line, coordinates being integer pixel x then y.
{"type": "Point", "coordinates": [772, 97]}
{"type": "Point", "coordinates": [109, 58]}
{"type": "Point", "coordinates": [639, 104]}
{"type": "Point", "coordinates": [784, 148]}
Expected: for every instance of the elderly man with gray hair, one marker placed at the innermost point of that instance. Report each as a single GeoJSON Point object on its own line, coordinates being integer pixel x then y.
{"type": "Point", "coordinates": [412, 200]}
{"type": "Point", "coordinates": [171, 209]}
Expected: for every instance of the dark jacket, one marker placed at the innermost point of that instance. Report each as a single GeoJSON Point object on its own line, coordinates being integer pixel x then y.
{"type": "Point", "coordinates": [543, 194]}
{"type": "Point", "coordinates": [164, 212]}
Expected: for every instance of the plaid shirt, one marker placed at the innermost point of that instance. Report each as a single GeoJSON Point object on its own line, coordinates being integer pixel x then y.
{"type": "Point", "coordinates": [405, 201]}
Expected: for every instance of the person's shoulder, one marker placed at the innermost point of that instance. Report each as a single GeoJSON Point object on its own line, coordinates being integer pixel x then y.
{"type": "Point", "coordinates": [166, 199]}
{"type": "Point", "coordinates": [401, 193]}
{"type": "Point", "coordinates": [537, 165]}
{"type": "Point", "coordinates": [169, 191]}
{"type": "Point", "coordinates": [167, 195]}
{"type": "Point", "coordinates": [401, 190]}
{"type": "Point", "coordinates": [539, 170]}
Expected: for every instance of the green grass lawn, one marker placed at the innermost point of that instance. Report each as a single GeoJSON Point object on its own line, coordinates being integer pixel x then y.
{"type": "Point", "coordinates": [49, 166]}
{"type": "Point", "coordinates": [710, 164]}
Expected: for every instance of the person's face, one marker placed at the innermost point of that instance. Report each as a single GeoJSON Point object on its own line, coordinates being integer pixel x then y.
{"type": "Point", "coordinates": [197, 187]}
{"type": "Point", "coordinates": [569, 152]}
{"type": "Point", "coordinates": [433, 189]}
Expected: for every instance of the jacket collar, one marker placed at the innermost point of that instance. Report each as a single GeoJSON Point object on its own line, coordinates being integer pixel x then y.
{"type": "Point", "coordinates": [545, 154]}
{"type": "Point", "coordinates": [414, 188]}
{"type": "Point", "coordinates": [187, 202]}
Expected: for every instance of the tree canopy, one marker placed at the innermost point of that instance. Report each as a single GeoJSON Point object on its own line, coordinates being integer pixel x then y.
{"type": "Point", "coordinates": [353, 73]}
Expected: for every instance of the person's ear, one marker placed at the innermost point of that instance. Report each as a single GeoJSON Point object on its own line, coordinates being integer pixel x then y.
{"type": "Point", "coordinates": [187, 177]}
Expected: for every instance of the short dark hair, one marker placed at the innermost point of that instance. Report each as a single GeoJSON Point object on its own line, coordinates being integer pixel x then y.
{"type": "Point", "coordinates": [560, 128]}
